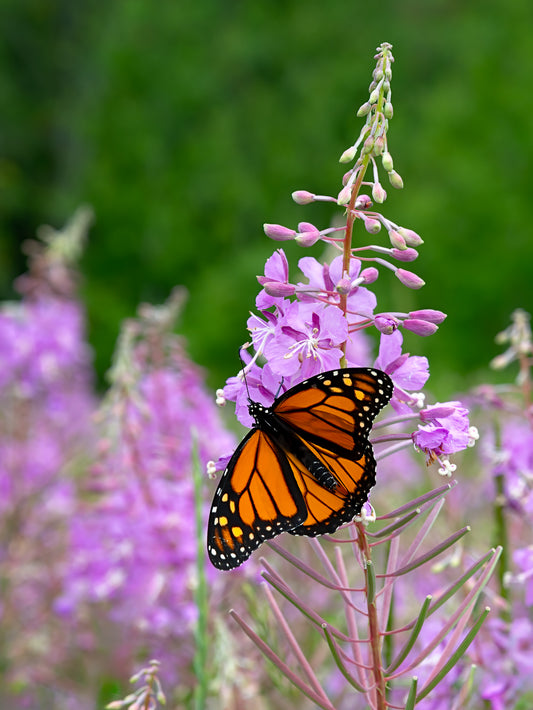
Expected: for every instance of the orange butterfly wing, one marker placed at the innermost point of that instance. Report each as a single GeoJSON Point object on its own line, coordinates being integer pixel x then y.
{"type": "Point", "coordinates": [306, 467]}
{"type": "Point", "coordinates": [327, 509]}
{"type": "Point", "coordinates": [257, 499]}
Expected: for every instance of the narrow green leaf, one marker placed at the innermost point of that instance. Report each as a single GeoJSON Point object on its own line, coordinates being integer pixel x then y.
{"type": "Point", "coordinates": [455, 657]}
{"type": "Point", "coordinates": [434, 552]}
{"type": "Point", "coordinates": [433, 495]}
{"type": "Point", "coordinates": [404, 652]}
{"type": "Point", "coordinates": [338, 660]}
{"type": "Point", "coordinates": [411, 698]}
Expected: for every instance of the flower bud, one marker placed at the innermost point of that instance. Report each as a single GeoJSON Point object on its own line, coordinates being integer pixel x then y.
{"type": "Point", "coordinates": [368, 145]}
{"type": "Point", "coordinates": [303, 197]}
{"type": "Point", "coordinates": [386, 323]}
{"type": "Point", "coordinates": [279, 289]}
{"type": "Point", "coordinates": [364, 109]}
{"type": "Point", "coordinates": [363, 202]}
{"type": "Point", "coordinates": [307, 239]}
{"type": "Point", "coordinates": [278, 232]}
{"type": "Point", "coordinates": [396, 240]}
{"type": "Point", "coordinates": [409, 279]}
{"type": "Point", "coordinates": [386, 161]}
{"type": "Point", "coordinates": [411, 238]}
{"type": "Point", "coordinates": [379, 144]}
{"type": "Point", "coordinates": [406, 254]}
{"type": "Point", "coordinates": [388, 111]}
{"type": "Point", "coordinates": [372, 226]}
{"type": "Point", "coordinates": [344, 195]}
{"type": "Point", "coordinates": [429, 314]}
{"type": "Point", "coordinates": [347, 176]}
{"type": "Point", "coordinates": [344, 286]}
{"type": "Point", "coordinates": [420, 327]}
{"type": "Point", "coordinates": [369, 275]}
{"type": "Point", "coordinates": [395, 180]}
{"type": "Point", "coordinates": [306, 227]}
{"type": "Point", "coordinates": [378, 193]}
{"type": "Point", "coordinates": [348, 155]}
{"type": "Point", "coordinates": [374, 96]}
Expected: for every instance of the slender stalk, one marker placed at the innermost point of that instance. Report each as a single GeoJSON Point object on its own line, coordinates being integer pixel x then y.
{"type": "Point", "coordinates": [373, 626]}
{"type": "Point", "coordinates": [500, 533]}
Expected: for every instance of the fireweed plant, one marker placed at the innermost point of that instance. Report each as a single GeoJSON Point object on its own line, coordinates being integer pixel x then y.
{"type": "Point", "coordinates": [98, 552]}
{"type": "Point", "coordinates": [302, 328]}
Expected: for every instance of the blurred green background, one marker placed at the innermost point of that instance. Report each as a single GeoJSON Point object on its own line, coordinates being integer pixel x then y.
{"type": "Point", "coordinates": [186, 125]}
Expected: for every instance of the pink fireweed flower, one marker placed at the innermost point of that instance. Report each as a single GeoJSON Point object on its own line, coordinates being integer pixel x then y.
{"type": "Point", "coordinates": [444, 431]}
{"type": "Point", "coordinates": [308, 340]}
{"type": "Point", "coordinates": [324, 278]}
{"type": "Point", "coordinates": [263, 330]}
{"type": "Point", "coordinates": [276, 272]}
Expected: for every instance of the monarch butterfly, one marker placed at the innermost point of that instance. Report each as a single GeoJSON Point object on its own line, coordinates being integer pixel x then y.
{"type": "Point", "coordinates": [305, 468]}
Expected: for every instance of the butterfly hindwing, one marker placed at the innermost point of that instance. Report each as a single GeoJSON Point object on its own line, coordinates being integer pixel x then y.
{"type": "Point", "coordinates": [327, 509]}
{"type": "Point", "coordinates": [257, 499]}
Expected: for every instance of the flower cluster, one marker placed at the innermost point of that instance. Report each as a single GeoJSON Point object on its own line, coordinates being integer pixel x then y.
{"type": "Point", "coordinates": [133, 549]}
{"type": "Point", "coordinates": [504, 650]}
{"type": "Point", "coordinates": [46, 403]}
{"type": "Point", "coordinates": [98, 534]}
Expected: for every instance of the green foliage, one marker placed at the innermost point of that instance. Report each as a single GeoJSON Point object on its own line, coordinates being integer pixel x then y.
{"type": "Point", "coordinates": [187, 125]}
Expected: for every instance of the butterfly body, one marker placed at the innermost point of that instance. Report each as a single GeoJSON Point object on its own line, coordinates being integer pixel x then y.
{"type": "Point", "coordinates": [305, 468]}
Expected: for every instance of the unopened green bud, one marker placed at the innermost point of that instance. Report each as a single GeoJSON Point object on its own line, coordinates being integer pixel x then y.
{"type": "Point", "coordinates": [344, 195]}
{"type": "Point", "coordinates": [388, 111]}
{"type": "Point", "coordinates": [348, 155]}
{"type": "Point", "coordinates": [368, 145]}
{"type": "Point", "coordinates": [395, 180]}
{"type": "Point", "coordinates": [364, 109]}
{"type": "Point", "coordinates": [379, 144]}
{"type": "Point", "coordinates": [374, 96]}
{"type": "Point", "coordinates": [378, 193]}
{"type": "Point", "coordinates": [386, 161]}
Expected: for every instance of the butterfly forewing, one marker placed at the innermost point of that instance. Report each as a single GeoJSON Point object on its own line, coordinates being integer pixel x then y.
{"type": "Point", "coordinates": [257, 498]}
{"type": "Point", "coordinates": [336, 409]}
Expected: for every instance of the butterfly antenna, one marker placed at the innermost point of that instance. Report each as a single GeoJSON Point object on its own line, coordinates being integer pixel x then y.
{"type": "Point", "coordinates": [279, 388]}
